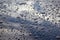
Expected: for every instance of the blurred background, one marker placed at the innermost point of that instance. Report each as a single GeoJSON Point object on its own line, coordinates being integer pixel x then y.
{"type": "Point", "coordinates": [29, 19]}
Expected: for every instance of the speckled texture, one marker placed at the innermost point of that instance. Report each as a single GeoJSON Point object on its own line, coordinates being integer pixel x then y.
{"type": "Point", "coordinates": [29, 19]}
